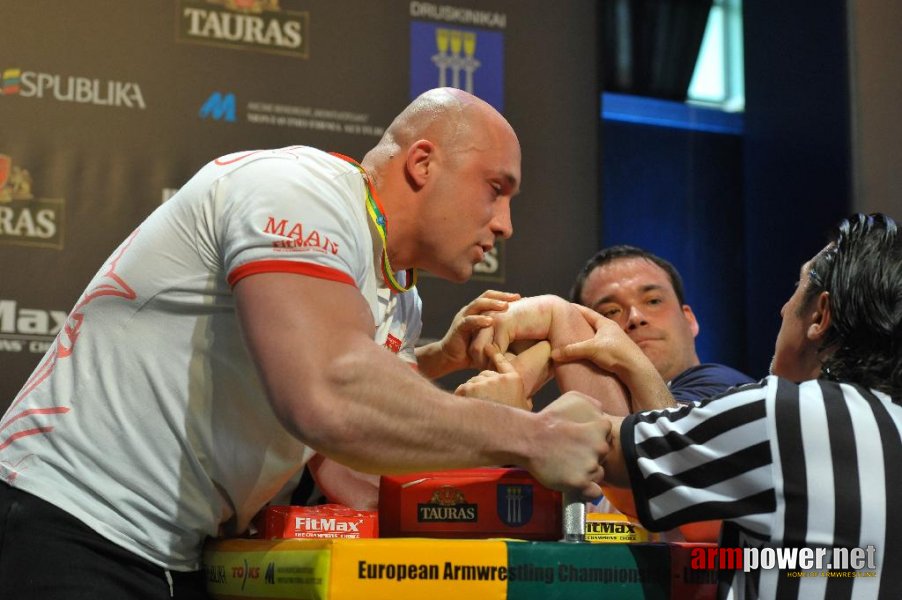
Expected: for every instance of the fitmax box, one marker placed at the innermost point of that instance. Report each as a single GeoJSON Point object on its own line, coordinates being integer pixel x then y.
{"type": "Point", "coordinates": [469, 503]}
{"type": "Point", "coordinates": [323, 521]}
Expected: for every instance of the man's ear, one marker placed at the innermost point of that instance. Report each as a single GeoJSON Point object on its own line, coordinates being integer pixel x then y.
{"type": "Point", "coordinates": [690, 318]}
{"type": "Point", "coordinates": [820, 317]}
{"type": "Point", "coordinates": [420, 156]}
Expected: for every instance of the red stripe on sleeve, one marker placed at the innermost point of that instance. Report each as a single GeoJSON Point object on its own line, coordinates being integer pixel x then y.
{"type": "Point", "coordinates": [289, 266]}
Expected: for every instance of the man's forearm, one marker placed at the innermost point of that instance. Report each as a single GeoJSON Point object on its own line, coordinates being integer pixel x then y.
{"type": "Point", "coordinates": [533, 364]}
{"type": "Point", "coordinates": [647, 390]}
{"type": "Point", "coordinates": [395, 421]}
{"type": "Point", "coordinates": [381, 417]}
{"type": "Point", "coordinates": [568, 326]}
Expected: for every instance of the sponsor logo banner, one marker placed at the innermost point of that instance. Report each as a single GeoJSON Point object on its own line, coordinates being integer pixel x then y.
{"type": "Point", "coordinates": [71, 88]}
{"type": "Point", "coordinates": [468, 59]}
{"type": "Point", "coordinates": [412, 568]}
{"type": "Point", "coordinates": [23, 328]}
{"type": "Point", "coordinates": [24, 219]}
{"type": "Point", "coordinates": [219, 107]}
{"type": "Point", "coordinates": [541, 569]}
{"type": "Point", "coordinates": [258, 25]}
{"type": "Point", "coordinates": [262, 569]}
{"type": "Point", "coordinates": [224, 106]}
{"type": "Point", "coordinates": [460, 15]}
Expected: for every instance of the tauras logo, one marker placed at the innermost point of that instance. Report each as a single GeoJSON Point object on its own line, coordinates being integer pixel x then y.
{"type": "Point", "coordinates": [326, 524]}
{"type": "Point", "coordinates": [430, 512]}
{"type": "Point", "coordinates": [81, 90]}
{"type": "Point", "coordinates": [447, 505]}
{"type": "Point", "coordinates": [24, 219]}
{"type": "Point", "coordinates": [250, 24]}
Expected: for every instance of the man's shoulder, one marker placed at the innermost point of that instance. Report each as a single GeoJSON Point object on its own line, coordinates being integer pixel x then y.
{"type": "Point", "coordinates": [289, 160]}
{"type": "Point", "coordinates": [704, 381]}
{"type": "Point", "coordinates": [289, 179]}
{"type": "Point", "coordinates": [713, 371]}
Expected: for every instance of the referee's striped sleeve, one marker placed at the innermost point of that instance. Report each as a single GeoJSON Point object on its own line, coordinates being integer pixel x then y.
{"type": "Point", "coordinates": [786, 465]}
{"type": "Point", "coordinates": [690, 464]}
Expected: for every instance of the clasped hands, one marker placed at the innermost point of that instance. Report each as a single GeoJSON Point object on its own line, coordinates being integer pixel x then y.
{"type": "Point", "coordinates": [519, 349]}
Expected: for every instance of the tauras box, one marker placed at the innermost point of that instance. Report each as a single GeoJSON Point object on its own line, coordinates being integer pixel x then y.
{"type": "Point", "coordinates": [469, 503]}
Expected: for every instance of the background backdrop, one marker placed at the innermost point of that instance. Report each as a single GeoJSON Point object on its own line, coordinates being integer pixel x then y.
{"type": "Point", "coordinates": [108, 107]}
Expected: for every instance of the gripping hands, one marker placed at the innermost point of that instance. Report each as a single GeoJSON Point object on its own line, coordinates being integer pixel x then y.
{"type": "Point", "coordinates": [574, 443]}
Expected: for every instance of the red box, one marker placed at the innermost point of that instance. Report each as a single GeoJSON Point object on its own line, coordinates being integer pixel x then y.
{"type": "Point", "coordinates": [323, 521]}
{"type": "Point", "coordinates": [469, 503]}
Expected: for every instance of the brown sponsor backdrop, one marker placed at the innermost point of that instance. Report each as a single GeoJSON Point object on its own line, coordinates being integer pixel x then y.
{"type": "Point", "coordinates": [102, 115]}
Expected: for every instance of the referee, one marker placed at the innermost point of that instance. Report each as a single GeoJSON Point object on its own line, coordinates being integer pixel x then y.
{"type": "Point", "coordinates": [809, 457]}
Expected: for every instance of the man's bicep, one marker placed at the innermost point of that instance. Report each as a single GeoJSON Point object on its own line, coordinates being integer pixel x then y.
{"type": "Point", "coordinates": [298, 326]}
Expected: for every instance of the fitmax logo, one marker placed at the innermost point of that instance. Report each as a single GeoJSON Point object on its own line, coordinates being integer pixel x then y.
{"type": "Point", "coordinates": [219, 107]}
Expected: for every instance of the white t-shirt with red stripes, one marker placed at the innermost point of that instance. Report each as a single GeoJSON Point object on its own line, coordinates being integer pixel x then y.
{"type": "Point", "coordinates": [146, 419]}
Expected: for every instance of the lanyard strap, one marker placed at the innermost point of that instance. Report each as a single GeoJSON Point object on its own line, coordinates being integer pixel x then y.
{"type": "Point", "coordinates": [377, 216]}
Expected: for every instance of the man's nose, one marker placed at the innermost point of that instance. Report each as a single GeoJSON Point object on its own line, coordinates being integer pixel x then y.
{"type": "Point", "coordinates": [501, 225]}
{"type": "Point", "coordinates": [635, 318]}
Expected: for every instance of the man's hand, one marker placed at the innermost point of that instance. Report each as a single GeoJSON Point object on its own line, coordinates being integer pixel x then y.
{"type": "Point", "coordinates": [344, 485]}
{"type": "Point", "coordinates": [453, 353]}
{"type": "Point", "coordinates": [504, 385]}
{"type": "Point", "coordinates": [526, 319]}
{"type": "Point", "coordinates": [612, 350]}
{"type": "Point", "coordinates": [572, 446]}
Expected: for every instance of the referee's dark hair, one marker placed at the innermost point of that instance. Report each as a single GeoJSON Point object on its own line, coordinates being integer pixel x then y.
{"type": "Point", "coordinates": [861, 270]}
{"type": "Point", "coordinates": [606, 255]}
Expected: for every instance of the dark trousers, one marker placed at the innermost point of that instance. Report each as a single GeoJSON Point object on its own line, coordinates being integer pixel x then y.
{"type": "Point", "coordinates": [47, 554]}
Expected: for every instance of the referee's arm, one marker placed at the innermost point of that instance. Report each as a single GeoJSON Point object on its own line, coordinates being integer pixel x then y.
{"type": "Point", "coordinates": [617, 488]}
{"type": "Point", "coordinates": [616, 485]}
{"type": "Point", "coordinates": [615, 472]}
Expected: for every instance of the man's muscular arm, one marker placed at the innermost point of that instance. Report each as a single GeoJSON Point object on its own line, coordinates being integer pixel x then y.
{"type": "Point", "coordinates": [334, 389]}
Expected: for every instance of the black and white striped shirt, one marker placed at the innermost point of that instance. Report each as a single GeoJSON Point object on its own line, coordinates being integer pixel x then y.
{"type": "Point", "coordinates": [818, 464]}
